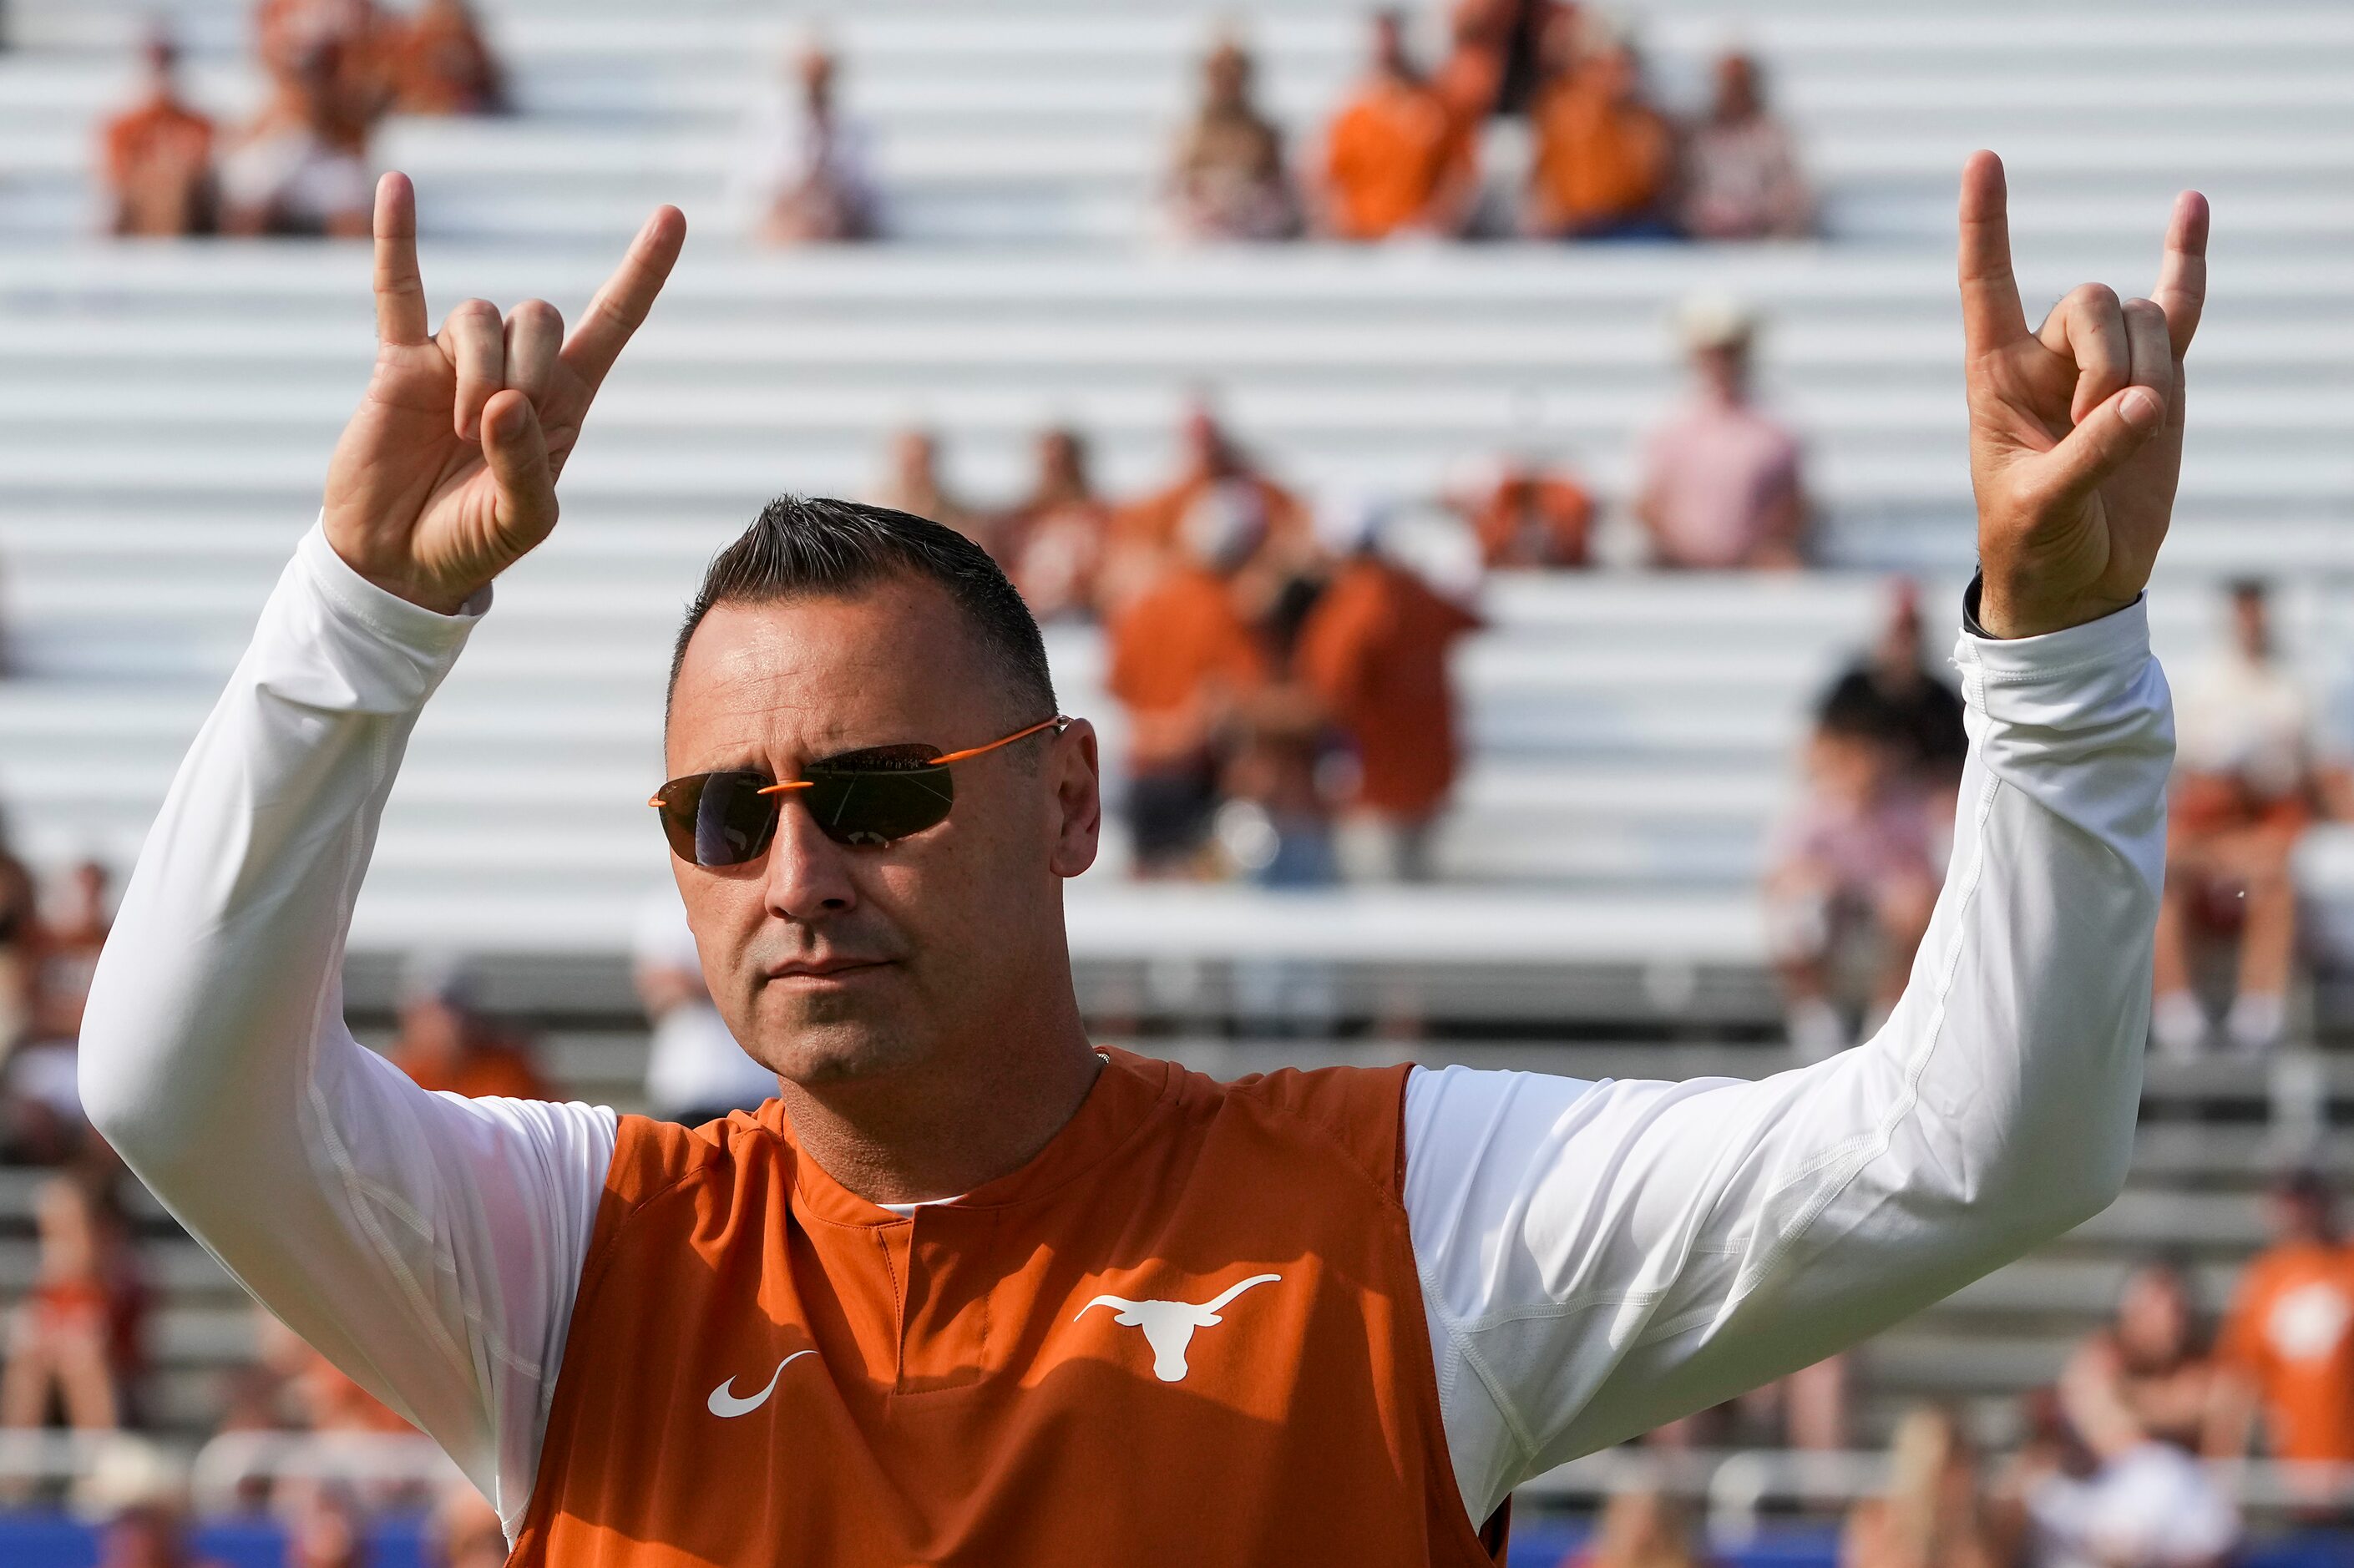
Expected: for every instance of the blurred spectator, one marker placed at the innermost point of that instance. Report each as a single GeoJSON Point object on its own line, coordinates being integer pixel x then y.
{"type": "Point", "coordinates": [466, 1530]}
{"type": "Point", "coordinates": [2288, 1346]}
{"type": "Point", "coordinates": [1741, 179]}
{"type": "Point", "coordinates": [1640, 1527]}
{"type": "Point", "coordinates": [1397, 159]}
{"type": "Point", "coordinates": [1932, 1514]}
{"type": "Point", "coordinates": [440, 63]}
{"type": "Point", "coordinates": [2151, 1362]}
{"type": "Point", "coordinates": [911, 482]}
{"type": "Point", "coordinates": [300, 167]}
{"type": "Point", "coordinates": [75, 1335]}
{"type": "Point", "coordinates": [20, 913]}
{"type": "Point", "coordinates": [1531, 515]}
{"type": "Point", "coordinates": [1853, 862]}
{"type": "Point", "coordinates": [44, 1115]}
{"type": "Point", "coordinates": [1229, 181]}
{"type": "Point", "coordinates": [446, 1044]}
{"type": "Point", "coordinates": [1479, 40]}
{"type": "Point", "coordinates": [149, 1535]}
{"type": "Point", "coordinates": [805, 172]}
{"type": "Point", "coordinates": [2246, 785]}
{"type": "Point", "coordinates": [1720, 478]}
{"type": "Point", "coordinates": [1055, 540]}
{"type": "Point", "coordinates": [66, 944]}
{"type": "Point", "coordinates": [1922, 712]}
{"type": "Point", "coordinates": [1605, 161]}
{"type": "Point", "coordinates": [309, 1390]}
{"type": "Point", "coordinates": [1145, 532]}
{"type": "Point", "coordinates": [1183, 659]}
{"type": "Point", "coordinates": [1376, 650]}
{"type": "Point", "coordinates": [158, 157]}
{"type": "Point", "coordinates": [2099, 1492]}
{"type": "Point", "coordinates": [696, 1072]}
{"type": "Point", "coordinates": [325, 1529]}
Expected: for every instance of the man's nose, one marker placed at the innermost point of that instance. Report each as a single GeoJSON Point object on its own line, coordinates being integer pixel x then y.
{"type": "Point", "coordinates": [808, 874]}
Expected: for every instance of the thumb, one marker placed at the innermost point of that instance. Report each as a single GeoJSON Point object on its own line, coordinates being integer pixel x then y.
{"type": "Point", "coordinates": [515, 449]}
{"type": "Point", "coordinates": [2102, 442]}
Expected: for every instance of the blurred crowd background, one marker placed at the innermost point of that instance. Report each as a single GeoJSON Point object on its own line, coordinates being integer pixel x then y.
{"type": "Point", "coordinates": [1492, 470]}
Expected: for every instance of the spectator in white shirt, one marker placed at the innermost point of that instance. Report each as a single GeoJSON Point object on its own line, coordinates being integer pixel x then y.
{"type": "Point", "coordinates": [696, 1072]}
{"type": "Point", "coordinates": [2247, 782]}
{"type": "Point", "coordinates": [804, 172]}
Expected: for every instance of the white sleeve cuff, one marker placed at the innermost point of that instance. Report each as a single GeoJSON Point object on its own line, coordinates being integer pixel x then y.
{"type": "Point", "coordinates": [2090, 667]}
{"type": "Point", "coordinates": [391, 652]}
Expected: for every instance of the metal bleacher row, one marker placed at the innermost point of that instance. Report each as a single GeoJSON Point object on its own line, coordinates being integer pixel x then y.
{"type": "Point", "coordinates": [165, 413]}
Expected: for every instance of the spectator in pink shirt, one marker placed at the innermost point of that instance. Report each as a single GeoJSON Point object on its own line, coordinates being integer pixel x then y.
{"type": "Point", "coordinates": [1721, 486]}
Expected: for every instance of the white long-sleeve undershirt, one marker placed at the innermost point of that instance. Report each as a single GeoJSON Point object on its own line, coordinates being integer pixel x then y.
{"type": "Point", "coordinates": [1595, 1257]}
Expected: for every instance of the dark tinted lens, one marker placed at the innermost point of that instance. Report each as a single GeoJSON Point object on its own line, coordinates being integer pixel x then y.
{"type": "Point", "coordinates": [877, 797]}
{"type": "Point", "coordinates": [718, 819]}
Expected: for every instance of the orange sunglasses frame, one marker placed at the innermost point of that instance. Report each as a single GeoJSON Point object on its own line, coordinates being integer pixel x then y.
{"type": "Point", "coordinates": [1059, 723]}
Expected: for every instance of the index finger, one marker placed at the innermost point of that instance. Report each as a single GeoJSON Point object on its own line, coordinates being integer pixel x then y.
{"type": "Point", "coordinates": [1991, 315]}
{"type": "Point", "coordinates": [622, 303]}
{"type": "Point", "coordinates": [2182, 276]}
{"type": "Point", "coordinates": [400, 291]}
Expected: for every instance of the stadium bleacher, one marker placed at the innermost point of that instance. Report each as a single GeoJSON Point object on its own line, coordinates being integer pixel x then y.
{"type": "Point", "coordinates": [165, 411]}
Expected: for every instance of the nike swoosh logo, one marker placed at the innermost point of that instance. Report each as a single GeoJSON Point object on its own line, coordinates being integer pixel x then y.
{"type": "Point", "coordinates": [725, 1404]}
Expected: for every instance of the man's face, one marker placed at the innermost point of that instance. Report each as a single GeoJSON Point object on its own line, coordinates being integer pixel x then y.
{"type": "Point", "coordinates": [833, 962]}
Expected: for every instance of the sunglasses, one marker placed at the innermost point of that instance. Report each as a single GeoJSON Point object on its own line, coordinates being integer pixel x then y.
{"type": "Point", "coordinates": [867, 799]}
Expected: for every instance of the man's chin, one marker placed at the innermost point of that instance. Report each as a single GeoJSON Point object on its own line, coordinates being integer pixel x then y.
{"type": "Point", "coordinates": [820, 1051]}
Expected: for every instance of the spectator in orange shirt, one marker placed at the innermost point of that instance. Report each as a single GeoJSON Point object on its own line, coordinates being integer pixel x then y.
{"type": "Point", "coordinates": [446, 1044]}
{"type": "Point", "coordinates": [1376, 650]}
{"type": "Point", "coordinates": [1055, 540]}
{"type": "Point", "coordinates": [1184, 659]}
{"type": "Point", "coordinates": [1229, 181]}
{"type": "Point", "coordinates": [1396, 160]}
{"type": "Point", "coordinates": [1604, 161]}
{"type": "Point", "coordinates": [1145, 532]}
{"type": "Point", "coordinates": [1741, 177]}
{"type": "Point", "coordinates": [158, 158]}
{"type": "Point", "coordinates": [2288, 1337]}
{"type": "Point", "coordinates": [440, 63]}
{"type": "Point", "coordinates": [1719, 483]}
{"type": "Point", "coordinates": [1530, 517]}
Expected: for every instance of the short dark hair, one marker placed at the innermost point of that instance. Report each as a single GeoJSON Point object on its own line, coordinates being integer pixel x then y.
{"type": "Point", "coordinates": [815, 545]}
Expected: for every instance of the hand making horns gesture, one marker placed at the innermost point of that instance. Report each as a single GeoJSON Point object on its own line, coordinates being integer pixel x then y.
{"type": "Point", "coordinates": [447, 472]}
{"type": "Point", "coordinates": [2076, 428]}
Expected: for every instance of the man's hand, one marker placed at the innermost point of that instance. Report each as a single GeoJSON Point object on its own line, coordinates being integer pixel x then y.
{"type": "Point", "coordinates": [446, 474]}
{"type": "Point", "coordinates": [2075, 430]}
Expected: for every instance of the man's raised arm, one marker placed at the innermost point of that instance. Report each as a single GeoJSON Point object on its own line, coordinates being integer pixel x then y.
{"type": "Point", "coordinates": [430, 1246]}
{"type": "Point", "coordinates": [1600, 1258]}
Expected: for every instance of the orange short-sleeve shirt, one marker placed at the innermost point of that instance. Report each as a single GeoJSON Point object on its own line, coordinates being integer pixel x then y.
{"type": "Point", "coordinates": [2291, 1333]}
{"type": "Point", "coordinates": [1190, 1331]}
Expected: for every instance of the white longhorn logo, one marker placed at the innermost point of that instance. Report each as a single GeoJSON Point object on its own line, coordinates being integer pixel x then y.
{"type": "Point", "coordinates": [1169, 1324]}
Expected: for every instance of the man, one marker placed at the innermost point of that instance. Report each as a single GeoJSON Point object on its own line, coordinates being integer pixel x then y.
{"type": "Point", "coordinates": [1396, 160]}
{"type": "Point", "coordinates": [1184, 662]}
{"type": "Point", "coordinates": [971, 1289]}
{"type": "Point", "coordinates": [446, 1044]}
{"type": "Point", "coordinates": [1375, 650]}
{"type": "Point", "coordinates": [1604, 158]}
{"type": "Point", "coordinates": [158, 156]}
{"type": "Point", "coordinates": [2246, 786]}
{"type": "Point", "coordinates": [2287, 1345]}
{"type": "Point", "coordinates": [804, 170]}
{"type": "Point", "coordinates": [1719, 487]}
{"type": "Point", "coordinates": [1923, 714]}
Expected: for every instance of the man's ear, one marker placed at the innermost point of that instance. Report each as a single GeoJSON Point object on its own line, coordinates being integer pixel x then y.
{"type": "Point", "coordinates": [1077, 775]}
